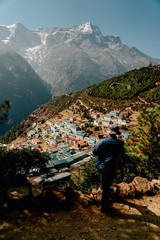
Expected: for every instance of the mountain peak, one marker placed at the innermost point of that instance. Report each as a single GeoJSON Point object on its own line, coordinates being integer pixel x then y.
{"type": "Point", "coordinates": [15, 25]}
{"type": "Point", "coordinates": [88, 28]}
{"type": "Point", "coordinates": [19, 26]}
{"type": "Point", "coordinates": [85, 28]}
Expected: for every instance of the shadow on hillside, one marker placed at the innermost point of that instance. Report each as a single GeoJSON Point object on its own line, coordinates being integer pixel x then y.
{"type": "Point", "coordinates": [146, 215]}
{"type": "Point", "coordinates": [80, 224]}
{"type": "Point", "coordinates": [117, 224]}
{"type": "Point", "coordinates": [50, 201]}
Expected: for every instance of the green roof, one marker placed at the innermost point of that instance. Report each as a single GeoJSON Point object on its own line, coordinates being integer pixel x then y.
{"type": "Point", "coordinates": [76, 157]}
{"type": "Point", "coordinates": [59, 162]}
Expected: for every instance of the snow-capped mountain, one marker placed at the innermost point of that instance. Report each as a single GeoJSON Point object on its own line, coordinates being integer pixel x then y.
{"type": "Point", "coordinates": [72, 58]}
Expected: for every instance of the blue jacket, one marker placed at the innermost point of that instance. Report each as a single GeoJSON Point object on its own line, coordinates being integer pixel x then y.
{"type": "Point", "coordinates": [108, 151]}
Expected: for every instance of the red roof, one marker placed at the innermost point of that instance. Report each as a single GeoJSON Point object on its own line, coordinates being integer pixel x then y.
{"type": "Point", "coordinates": [13, 148]}
{"type": "Point", "coordinates": [73, 138]}
{"type": "Point", "coordinates": [36, 140]}
{"type": "Point", "coordinates": [122, 131]}
{"type": "Point", "coordinates": [53, 147]}
{"type": "Point", "coordinates": [82, 143]}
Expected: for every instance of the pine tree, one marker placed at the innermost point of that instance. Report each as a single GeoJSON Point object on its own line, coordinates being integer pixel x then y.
{"type": "Point", "coordinates": [145, 143]}
{"type": "Point", "coordinates": [4, 111]}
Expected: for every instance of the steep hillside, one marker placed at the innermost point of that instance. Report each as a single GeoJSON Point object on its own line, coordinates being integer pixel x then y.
{"type": "Point", "coordinates": [141, 82]}
{"type": "Point", "coordinates": [21, 86]}
{"type": "Point", "coordinates": [133, 89]}
{"type": "Point", "coordinates": [71, 59]}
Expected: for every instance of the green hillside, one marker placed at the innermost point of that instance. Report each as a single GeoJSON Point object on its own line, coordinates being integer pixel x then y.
{"type": "Point", "coordinates": [139, 82]}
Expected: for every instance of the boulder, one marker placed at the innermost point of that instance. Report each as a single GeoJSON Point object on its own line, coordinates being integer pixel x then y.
{"type": "Point", "coordinates": [37, 190]}
{"type": "Point", "coordinates": [18, 192]}
{"type": "Point", "coordinates": [123, 189]}
{"type": "Point", "coordinates": [141, 186]}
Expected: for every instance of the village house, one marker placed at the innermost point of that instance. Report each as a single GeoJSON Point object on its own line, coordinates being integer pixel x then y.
{"type": "Point", "coordinates": [58, 177]}
{"type": "Point", "coordinates": [105, 123]}
{"type": "Point", "coordinates": [95, 114]}
{"type": "Point", "coordinates": [76, 158]}
{"type": "Point", "coordinates": [97, 122]}
{"type": "Point", "coordinates": [31, 133]}
{"type": "Point", "coordinates": [38, 129]}
{"type": "Point", "coordinates": [80, 135]}
{"type": "Point", "coordinates": [74, 128]}
{"type": "Point", "coordinates": [51, 179]}
{"type": "Point", "coordinates": [66, 131]}
{"type": "Point", "coordinates": [49, 131]}
{"type": "Point", "coordinates": [124, 135]}
{"type": "Point", "coordinates": [49, 123]}
{"type": "Point", "coordinates": [71, 140]}
{"type": "Point", "coordinates": [106, 117]}
{"type": "Point", "coordinates": [121, 121]}
{"type": "Point", "coordinates": [67, 123]}
{"type": "Point", "coordinates": [114, 120]}
{"type": "Point", "coordinates": [56, 125]}
{"type": "Point", "coordinates": [36, 141]}
{"type": "Point", "coordinates": [58, 164]}
{"type": "Point", "coordinates": [114, 113]}
{"type": "Point", "coordinates": [52, 142]}
{"type": "Point", "coordinates": [54, 129]}
{"type": "Point", "coordinates": [82, 144]}
{"type": "Point", "coordinates": [62, 145]}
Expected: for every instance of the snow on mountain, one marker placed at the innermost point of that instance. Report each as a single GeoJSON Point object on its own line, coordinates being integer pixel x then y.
{"type": "Point", "coordinates": [58, 54]}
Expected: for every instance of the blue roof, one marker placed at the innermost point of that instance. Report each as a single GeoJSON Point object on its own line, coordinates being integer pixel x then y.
{"type": "Point", "coordinates": [126, 134]}
{"type": "Point", "coordinates": [66, 149]}
{"type": "Point", "coordinates": [80, 133]}
{"type": "Point", "coordinates": [93, 139]}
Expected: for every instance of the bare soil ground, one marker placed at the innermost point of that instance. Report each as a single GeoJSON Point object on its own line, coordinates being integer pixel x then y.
{"type": "Point", "coordinates": [132, 219]}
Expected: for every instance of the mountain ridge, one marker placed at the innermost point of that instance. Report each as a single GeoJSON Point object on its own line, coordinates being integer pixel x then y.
{"type": "Point", "coordinates": [51, 50]}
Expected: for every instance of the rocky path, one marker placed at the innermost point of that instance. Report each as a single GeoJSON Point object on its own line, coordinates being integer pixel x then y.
{"type": "Point", "coordinates": [132, 219]}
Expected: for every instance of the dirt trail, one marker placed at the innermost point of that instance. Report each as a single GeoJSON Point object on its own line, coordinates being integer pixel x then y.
{"type": "Point", "coordinates": [134, 219]}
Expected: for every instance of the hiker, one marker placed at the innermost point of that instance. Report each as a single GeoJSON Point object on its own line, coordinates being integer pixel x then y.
{"type": "Point", "coordinates": [108, 150]}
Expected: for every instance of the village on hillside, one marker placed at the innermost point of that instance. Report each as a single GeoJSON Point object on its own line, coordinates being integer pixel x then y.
{"type": "Point", "coordinates": [67, 144]}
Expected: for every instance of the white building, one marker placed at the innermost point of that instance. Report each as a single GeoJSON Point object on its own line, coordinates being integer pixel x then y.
{"type": "Point", "coordinates": [97, 122]}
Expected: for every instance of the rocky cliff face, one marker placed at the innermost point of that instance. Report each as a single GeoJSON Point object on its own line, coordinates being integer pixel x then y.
{"type": "Point", "coordinates": [74, 58]}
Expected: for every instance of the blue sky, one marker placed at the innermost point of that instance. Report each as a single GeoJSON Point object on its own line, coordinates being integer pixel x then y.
{"type": "Point", "coordinates": [137, 22]}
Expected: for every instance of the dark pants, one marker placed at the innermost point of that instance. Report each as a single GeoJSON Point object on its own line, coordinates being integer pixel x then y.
{"type": "Point", "coordinates": [107, 180]}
